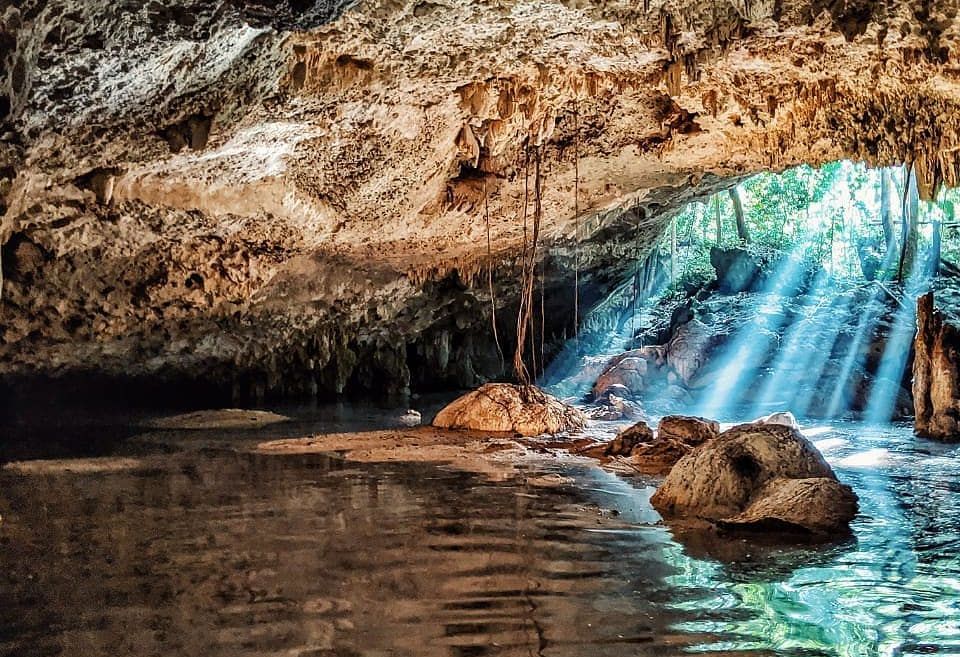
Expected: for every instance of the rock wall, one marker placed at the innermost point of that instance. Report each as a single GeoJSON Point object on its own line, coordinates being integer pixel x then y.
{"type": "Point", "coordinates": [295, 197]}
{"type": "Point", "coordinates": [936, 373]}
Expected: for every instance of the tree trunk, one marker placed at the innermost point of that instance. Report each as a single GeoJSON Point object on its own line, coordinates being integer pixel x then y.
{"type": "Point", "coordinates": [742, 231]}
{"type": "Point", "coordinates": [935, 249]}
{"type": "Point", "coordinates": [716, 209]}
{"type": "Point", "coordinates": [936, 374]}
{"type": "Point", "coordinates": [673, 250]}
{"type": "Point", "coordinates": [908, 224]}
{"type": "Point", "coordinates": [886, 216]}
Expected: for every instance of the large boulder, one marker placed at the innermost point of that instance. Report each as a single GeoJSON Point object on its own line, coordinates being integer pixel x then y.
{"type": "Point", "coordinates": [747, 477]}
{"type": "Point", "coordinates": [525, 410]}
{"type": "Point", "coordinates": [936, 373]}
{"type": "Point", "coordinates": [737, 269]}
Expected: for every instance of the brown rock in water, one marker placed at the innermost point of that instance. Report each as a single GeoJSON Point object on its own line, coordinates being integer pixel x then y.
{"type": "Point", "coordinates": [936, 374]}
{"type": "Point", "coordinates": [677, 436]}
{"type": "Point", "coordinates": [726, 480]}
{"type": "Point", "coordinates": [628, 439]}
{"type": "Point", "coordinates": [688, 430]}
{"type": "Point", "coordinates": [819, 505]}
{"type": "Point", "coordinates": [506, 407]}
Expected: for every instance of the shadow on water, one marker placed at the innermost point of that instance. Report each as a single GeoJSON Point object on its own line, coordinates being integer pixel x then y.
{"type": "Point", "coordinates": [217, 551]}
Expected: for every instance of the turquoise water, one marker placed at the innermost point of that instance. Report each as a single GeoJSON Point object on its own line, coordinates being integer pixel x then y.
{"type": "Point", "coordinates": [207, 549]}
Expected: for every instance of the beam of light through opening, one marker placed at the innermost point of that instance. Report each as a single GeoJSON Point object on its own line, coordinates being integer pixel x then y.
{"type": "Point", "coordinates": [804, 351]}
{"type": "Point", "coordinates": [881, 405]}
{"type": "Point", "coordinates": [806, 400]}
{"type": "Point", "coordinates": [867, 322]}
{"type": "Point", "coordinates": [745, 352]}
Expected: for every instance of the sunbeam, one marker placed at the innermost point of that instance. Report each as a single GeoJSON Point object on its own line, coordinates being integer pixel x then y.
{"type": "Point", "coordinates": [803, 354]}
{"type": "Point", "coordinates": [737, 365]}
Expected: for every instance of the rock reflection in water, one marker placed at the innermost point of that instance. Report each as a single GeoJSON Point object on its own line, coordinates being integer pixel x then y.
{"type": "Point", "coordinates": [242, 554]}
{"type": "Point", "coordinates": [216, 552]}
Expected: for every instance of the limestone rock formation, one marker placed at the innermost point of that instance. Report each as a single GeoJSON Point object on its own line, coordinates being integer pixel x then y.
{"type": "Point", "coordinates": [628, 439]}
{"type": "Point", "coordinates": [936, 373]}
{"type": "Point", "coordinates": [292, 197]}
{"type": "Point", "coordinates": [819, 505]}
{"type": "Point", "coordinates": [656, 453]}
{"type": "Point", "coordinates": [626, 372]}
{"type": "Point", "coordinates": [692, 431]}
{"type": "Point", "coordinates": [525, 410]}
{"type": "Point", "coordinates": [676, 437]}
{"type": "Point", "coordinates": [737, 269]}
{"type": "Point", "coordinates": [757, 475]}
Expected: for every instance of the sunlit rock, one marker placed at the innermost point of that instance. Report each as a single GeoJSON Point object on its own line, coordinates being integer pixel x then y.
{"type": "Point", "coordinates": [506, 407]}
{"type": "Point", "coordinates": [936, 373]}
{"type": "Point", "coordinates": [615, 404]}
{"type": "Point", "coordinates": [728, 479]}
{"type": "Point", "coordinates": [627, 373]}
{"type": "Point", "coordinates": [783, 418]}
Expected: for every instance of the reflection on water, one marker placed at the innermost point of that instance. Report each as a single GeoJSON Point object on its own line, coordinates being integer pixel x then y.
{"type": "Point", "coordinates": [218, 552]}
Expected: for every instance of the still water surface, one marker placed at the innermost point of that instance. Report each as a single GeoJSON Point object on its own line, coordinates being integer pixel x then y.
{"type": "Point", "coordinates": [216, 551]}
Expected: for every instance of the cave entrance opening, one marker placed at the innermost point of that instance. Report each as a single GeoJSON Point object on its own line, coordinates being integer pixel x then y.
{"type": "Point", "coordinates": [792, 291]}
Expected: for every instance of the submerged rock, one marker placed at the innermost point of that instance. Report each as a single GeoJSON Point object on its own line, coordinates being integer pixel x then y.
{"type": "Point", "coordinates": [748, 476]}
{"type": "Point", "coordinates": [936, 373]}
{"type": "Point", "coordinates": [222, 418]}
{"type": "Point", "coordinates": [526, 410]}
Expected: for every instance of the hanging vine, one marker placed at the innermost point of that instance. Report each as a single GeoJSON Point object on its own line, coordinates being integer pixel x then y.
{"type": "Point", "coordinates": [528, 273]}
{"type": "Point", "coordinates": [519, 367]}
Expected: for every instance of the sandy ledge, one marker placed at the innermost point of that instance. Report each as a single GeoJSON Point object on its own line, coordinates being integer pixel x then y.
{"type": "Point", "coordinates": [497, 456]}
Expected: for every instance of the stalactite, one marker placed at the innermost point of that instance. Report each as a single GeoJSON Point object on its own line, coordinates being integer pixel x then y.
{"type": "Point", "coordinates": [576, 220]}
{"type": "Point", "coordinates": [636, 275]}
{"type": "Point", "coordinates": [493, 298]}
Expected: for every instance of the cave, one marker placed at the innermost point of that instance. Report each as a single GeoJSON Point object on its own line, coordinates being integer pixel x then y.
{"type": "Point", "coordinates": [449, 328]}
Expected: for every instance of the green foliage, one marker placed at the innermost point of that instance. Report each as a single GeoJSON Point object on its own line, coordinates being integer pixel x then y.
{"type": "Point", "coordinates": [830, 216]}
